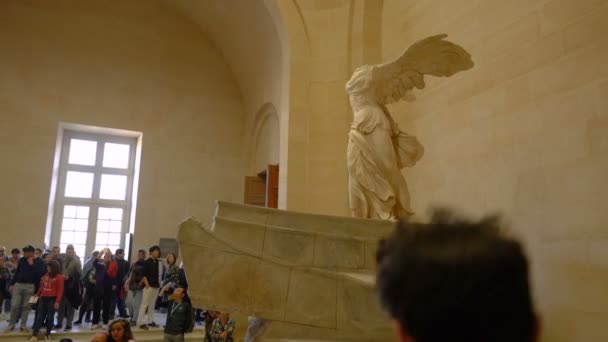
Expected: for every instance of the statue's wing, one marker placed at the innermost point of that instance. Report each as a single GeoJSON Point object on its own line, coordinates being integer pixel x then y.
{"type": "Point", "coordinates": [434, 56]}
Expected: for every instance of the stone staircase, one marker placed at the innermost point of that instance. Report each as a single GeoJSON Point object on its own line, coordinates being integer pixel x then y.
{"type": "Point", "coordinates": [83, 332]}
{"type": "Point", "coordinates": [311, 276]}
{"type": "Point", "coordinates": [86, 335]}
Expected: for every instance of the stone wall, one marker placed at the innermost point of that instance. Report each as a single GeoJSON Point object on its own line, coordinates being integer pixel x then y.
{"type": "Point", "coordinates": [524, 133]}
{"type": "Point", "coordinates": [120, 65]}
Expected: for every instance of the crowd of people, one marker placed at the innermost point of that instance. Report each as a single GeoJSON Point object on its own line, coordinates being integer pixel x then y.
{"type": "Point", "coordinates": [106, 292]}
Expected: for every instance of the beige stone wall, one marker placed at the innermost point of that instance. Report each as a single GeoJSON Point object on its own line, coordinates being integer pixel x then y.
{"type": "Point", "coordinates": [121, 65]}
{"type": "Point", "coordinates": [248, 38]}
{"type": "Point", "coordinates": [523, 133]}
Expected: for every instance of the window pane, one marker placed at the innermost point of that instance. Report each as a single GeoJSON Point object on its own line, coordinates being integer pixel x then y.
{"type": "Point", "coordinates": [113, 187]}
{"type": "Point", "coordinates": [116, 214]}
{"type": "Point", "coordinates": [104, 213]}
{"type": "Point", "coordinates": [115, 226]}
{"type": "Point", "coordinates": [81, 225]}
{"type": "Point", "coordinates": [103, 225]}
{"type": "Point", "coordinates": [67, 237]}
{"type": "Point", "coordinates": [80, 237]}
{"type": "Point", "coordinates": [69, 211]}
{"type": "Point", "coordinates": [82, 152]}
{"type": "Point", "coordinates": [68, 224]}
{"type": "Point", "coordinates": [79, 184]}
{"type": "Point", "coordinates": [116, 155]}
{"type": "Point", "coordinates": [114, 238]}
{"type": "Point", "coordinates": [101, 239]}
{"type": "Point", "coordinates": [82, 212]}
{"type": "Point", "coordinates": [79, 249]}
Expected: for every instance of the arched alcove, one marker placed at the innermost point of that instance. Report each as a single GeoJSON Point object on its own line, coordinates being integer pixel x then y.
{"type": "Point", "coordinates": [264, 139]}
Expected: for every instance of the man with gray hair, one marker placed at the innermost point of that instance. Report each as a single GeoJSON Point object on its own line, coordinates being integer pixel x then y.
{"type": "Point", "coordinates": [72, 294]}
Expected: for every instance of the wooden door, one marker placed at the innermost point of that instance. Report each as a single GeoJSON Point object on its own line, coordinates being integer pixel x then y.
{"type": "Point", "coordinates": [272, 186]}
{"type": "Point", "coordinates": [255, 191]}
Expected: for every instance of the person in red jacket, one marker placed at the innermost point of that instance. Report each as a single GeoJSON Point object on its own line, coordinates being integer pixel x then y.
{"type": "Point", "coordinates": [49, 295]}
{"type": "Point", "coordinates": [106, 271]}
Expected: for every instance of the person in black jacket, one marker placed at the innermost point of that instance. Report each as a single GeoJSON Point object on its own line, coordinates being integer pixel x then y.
{"type": "Point", "coordinates": [151, 280]}
{"type": "Point", "coordinates": [23, 285]}
{"type": "Point", "coordinates": [180, 317]}
{"type": "Point", "coordinates": [118, 293]}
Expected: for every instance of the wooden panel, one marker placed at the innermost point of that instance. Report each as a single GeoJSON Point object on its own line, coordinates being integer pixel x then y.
{"type": "Point", "coordinates": [255, 191]}
{"type": "Point", "coordinates": [272, 186]}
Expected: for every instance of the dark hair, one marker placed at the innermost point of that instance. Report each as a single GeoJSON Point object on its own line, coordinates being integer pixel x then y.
{"type": "Point", "coordinates": [15, 250]}
{"type": "Point", "coordinates": [27, 248]}
{"type": "Point", "coordinates": [55, 268]}
{"type": "Point", "coordinates": [128, 335]}
{"type": "Point", "coordinates": [141, 251]}
{"type": "Point", "coordinates": [65, 340]}
{"type": "Point", "coordinates": [120, 251]}
{"type": "Point", "coordinates": [154, 248]}
{"type": "Point", "coordinates": [55, 247]}
{"type": "Point", "coordinates": [456, 280]}
{"type": "Point", "coordinates": [174, 258]}
{"type": "Point", "coordinates": [69, 247]}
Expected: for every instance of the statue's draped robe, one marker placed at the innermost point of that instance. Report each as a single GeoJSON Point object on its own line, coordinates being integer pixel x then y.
{"type": "Point", "coordinates": [377, 150]}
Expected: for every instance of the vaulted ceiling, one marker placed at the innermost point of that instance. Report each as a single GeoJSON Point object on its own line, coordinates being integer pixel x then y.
{"type": "Point", "coordinates": [244, 32]}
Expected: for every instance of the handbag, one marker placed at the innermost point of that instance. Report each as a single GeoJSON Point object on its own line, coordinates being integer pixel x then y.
{"type": "Point", "coordinates": [33, 300]}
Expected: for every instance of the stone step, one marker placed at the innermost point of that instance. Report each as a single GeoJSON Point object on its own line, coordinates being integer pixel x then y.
{"type": "Point", "coordinates": [305, 222]}
{"type": "Point", "coordinates": [86, 335]}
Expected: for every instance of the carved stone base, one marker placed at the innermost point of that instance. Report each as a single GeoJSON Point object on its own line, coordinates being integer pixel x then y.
{"type": "Point", "coordinates": [310, 275]}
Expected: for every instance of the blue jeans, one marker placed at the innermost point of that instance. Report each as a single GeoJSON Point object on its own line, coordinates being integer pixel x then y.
{"type": "Point", "coordinates": [117, 301]}
{"type": "Point", "coordinates": [46, 310]}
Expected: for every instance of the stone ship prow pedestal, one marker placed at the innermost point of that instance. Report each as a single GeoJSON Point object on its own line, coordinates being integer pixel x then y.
{"type": "Point", "coordinates": [311, 275]}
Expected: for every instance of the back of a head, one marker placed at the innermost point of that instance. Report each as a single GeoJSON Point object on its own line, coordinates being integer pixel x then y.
{"type": "Point", "coordinates": [100, 337]}
{"type": "Point", "coordinates": [455, 280]}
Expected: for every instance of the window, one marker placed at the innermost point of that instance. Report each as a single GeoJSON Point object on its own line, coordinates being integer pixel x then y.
{"type": "Point", "coordinates": [93, 192]}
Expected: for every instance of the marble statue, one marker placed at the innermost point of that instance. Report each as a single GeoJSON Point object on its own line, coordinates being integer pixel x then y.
{"type": "Point", "coordinates": [377, 148]}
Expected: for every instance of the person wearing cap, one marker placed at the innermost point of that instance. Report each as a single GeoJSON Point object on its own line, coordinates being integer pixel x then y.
{"type": "Point", "coordinates": [24, 284]}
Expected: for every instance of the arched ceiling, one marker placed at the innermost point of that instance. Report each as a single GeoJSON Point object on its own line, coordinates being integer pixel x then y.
{"type": "Point", "coordinates": [244, 31]}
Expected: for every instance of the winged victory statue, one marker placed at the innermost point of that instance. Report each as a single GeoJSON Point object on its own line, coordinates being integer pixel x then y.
{"type": "Point", "coordinates": [377, 148]}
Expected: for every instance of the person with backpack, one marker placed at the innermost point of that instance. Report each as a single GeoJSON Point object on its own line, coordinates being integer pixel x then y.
{"type": "Point", "coordinates": [88, 284]}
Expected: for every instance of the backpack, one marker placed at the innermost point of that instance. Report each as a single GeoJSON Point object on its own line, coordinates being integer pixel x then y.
{"type": "Point", "coordinates": [89, 277]}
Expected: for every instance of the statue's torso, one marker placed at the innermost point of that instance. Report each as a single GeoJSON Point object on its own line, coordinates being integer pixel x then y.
{"type": "Point", "coordinates": [367, 118]}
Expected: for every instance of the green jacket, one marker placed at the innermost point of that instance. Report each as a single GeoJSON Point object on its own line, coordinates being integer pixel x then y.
{"type": "Point", "coordinates": [72, 268]}
{"type": "Point", "coordinates": [180, 318]}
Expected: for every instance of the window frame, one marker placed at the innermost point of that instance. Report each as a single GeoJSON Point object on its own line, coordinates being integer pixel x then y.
{"type": "Point", "coordinates": [56, 208]}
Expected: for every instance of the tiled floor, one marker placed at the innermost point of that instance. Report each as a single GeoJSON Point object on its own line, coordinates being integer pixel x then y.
{"type": "Point", "coordinates": [159, 319]}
